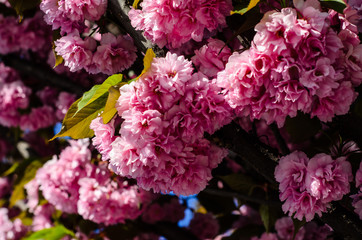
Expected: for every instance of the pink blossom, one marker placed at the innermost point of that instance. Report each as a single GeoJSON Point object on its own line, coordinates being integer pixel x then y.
{"type": "Point", "coordinates": [63, 103]}
{"type": "Point", "coordinates": [104, 136]}
{"type": "Point", "coordinates": [113, 55]}
{"type": "Point", "coordinates": [171, 24]}
{"type": "Point", "coordinates": [313, 231]}
{"type": "Point", "coordinates": [32, 189]}
{"type": "Point", "coordinates": [89, 9]}
{"type": "Point", "coordinates": [211, 58]}
{"type": "Point", "coordinates": [46, 95]}
{"type": "Point", "coordinates": [40, 117]}
{"type": "Point", "coordinates": [10, 230]}
{"type": "Point", "coordinates": [153, 213]}
{"type": "Point", "coordinates": [108, 202]}
{"type": "Point", "coordinates": [4, 186]}
{"type": "Point", "coordinates": [266, 236]}
{"type": "Point", "coordinates": [204, 226]}
{"type": "Point", "coordinates": [285, 229]}
{"type": "Point", "coordinates": [291, 174]}
{"type": "Point", "coordinates": [328, 179]}
{"type": "Point", "coordinates": [43, 217]}
{"type": "Point", "coordinates": [9, 35]}
{"type": "Point", "coordinates": [76, 52]}
{"type": "Point", "coordinates": [359, 177]}
{"type": "Point", "coordinates": [357, 204]}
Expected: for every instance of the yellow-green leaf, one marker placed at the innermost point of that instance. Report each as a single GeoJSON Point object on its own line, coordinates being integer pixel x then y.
{"type": "Point", "coordinates": [53, 233]}
{"type": "Point", "coordinates": [135, 4]}
{"type": "Point", "coordinates": [242, 11]}
{"type": "Point", "coordinates": [147, 61]}
{"type": "Point", "coordinates": [21, 6]}
{"type": "Point", "coordinates": [29, 173]}
{"type": "Point", "coordinates": [110, 109]}
{"type": "Point", "coordinates": [80, 114]}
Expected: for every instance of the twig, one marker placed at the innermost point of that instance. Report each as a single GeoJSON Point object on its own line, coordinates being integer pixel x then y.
{"type": "Point", "coordinates": [280, 140]}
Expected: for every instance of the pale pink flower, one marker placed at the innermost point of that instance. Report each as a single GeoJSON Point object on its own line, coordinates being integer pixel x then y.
{"type": "Point", "coordinates": [113, 55]}
{"type": "Point", "coordinates": [43, 217]}
{"type": "Point", "coordinates": [104, 136]}
{"type": "Point", "coordinates": [10, 230]}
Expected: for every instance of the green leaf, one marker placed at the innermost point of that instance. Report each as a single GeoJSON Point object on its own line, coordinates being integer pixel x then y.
{"type": "Point", "coordinates": [11, 170]}
{"type": "Point", "coordinates": [242, 11]}
{"type": "Point", "coordinates": [21, 6]}
{"type": "Point", "coordinates": [297, 225]}
{"type": "Point", "coordinates": [110, 109]}
{"type": "Point", "coordinates": [265, 216]}
{"type": "Point", "coordinates": [54, 233]}
{"type": "Point", "coordinates": [239, 182]}
{"type": "Point", "coordinates": [29, 173]}
{"type": "Point", "coordinates": [337, 5]}
{"type": "Point", "coordinates": [84, 110]}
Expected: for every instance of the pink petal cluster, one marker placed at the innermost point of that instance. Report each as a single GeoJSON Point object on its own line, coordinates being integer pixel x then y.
{"type": "Point", "coordinates": [72, 184]}
{"type": "Point", "coordinates": [212, 57]}
{"type": "Point", "coordinates": [64, 101]}
{"type": "Point", "coordinates": [357, 198]}
{"type": "Point", "coordinates": [109, 202]}
{"type": "Point", "coordinates": [43, 217]}
{"type": "Point", "coordinates": [165, 114]}
{"type": "Point", "coordinates": [171, 211]}
{"type": "Point", "coordinates": [13, 96]}
{"type": "Point", "coordinates": [69, 15]}
{"type": "Point", "coordinates": [104, 136]}
{"type": "Point", "coordinates": [204, 226]}
{"type": "Point", "coordinates": [173, 23]}
{"type": "Point", "coordinates": [10, 230]}
{"type": "Point", "coordinates": [308, 185]}
{"type": "Point", "coordinates": [31, 34]}
{"type": "Point", "coordinates": [4, 186]}
{"type": "Point", "coordinates": [113, 55]}
{"type": "Point", "coordinates": [40, 117]}
{"type": "Point", "coordinates": [285, 229]}
{"type": "Point", "coordinates": [357, 5]}
{"type": "Point", "coordinates": [296, 63]}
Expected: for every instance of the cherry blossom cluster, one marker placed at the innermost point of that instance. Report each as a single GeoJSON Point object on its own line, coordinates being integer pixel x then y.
{"type": "Point", "coordinates": [172, 23]}
{"type": "Point", "coordinates": [164, 116]}
{"type": "Point", "coordinates": [285, 229]}
{"type": "Point", "coordinates": [15, 96]}
{"type": "Point", "coordinates": [301, 59]}
{"type": "Point", "coordinates": [31, 34]}
{"type": "Point", "coordinates": [308, 185]}
{"type": "Point", "coordinates": [357, 5]}
{"type": "Point", "coordinates": [171, 211]}
{"type": "Point", "coordinates": [12, 230]}
{"type": "Point", "coordinates": [357, 198]}
{"type": "Point", "coordinates": [110, 55]}
{"type": "Point", "coordinates": [72, 184]}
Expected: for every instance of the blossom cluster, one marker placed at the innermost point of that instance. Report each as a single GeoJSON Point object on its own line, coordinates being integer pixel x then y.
{"type": "Point", "coordinates": [72, 184]}
{"type": "Point", "coordinates": [357, 198]}
{"type": "Point", "coordinates": [112, 54]}
{"type": "Point", "coordinates": [301, 59]}
{"type": "Point", "coordinates": [12, 230]}
{"type": "Point", "coordinates": [15, 96]}
{"type": "Point", "coordinates": [173, 23]}
{"type": "Point", "coordinates": [164, 116]}
{"type": "Point", "coordinates": [171, 211]}
{"type": "Point", "coordinates": [308, 185]}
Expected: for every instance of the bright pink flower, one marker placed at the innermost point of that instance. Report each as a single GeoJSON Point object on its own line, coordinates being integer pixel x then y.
{"type": "Point", "coordinates": [76, 52]}
{"type": "Point", "coordinates": [78, 10]}
{"type": "Point", "coordinates": [204, 226]}
{"type": "Point", "coordinates": [172, 23]}
{"type": "Point", "coordinates": [113, 55]}
{"type": "Point", "coordinates": [104, 136]}
{"type": "Point", "coordinates": [211, 58]}
{"type": "Point", "coordinates": [328, 179]}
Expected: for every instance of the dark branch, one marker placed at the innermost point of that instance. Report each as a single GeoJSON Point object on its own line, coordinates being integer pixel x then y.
{"type": "Point", "coordinates": [43, 73]}
{"type": "Point", "coordinates": [280, 140]}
